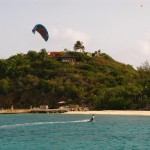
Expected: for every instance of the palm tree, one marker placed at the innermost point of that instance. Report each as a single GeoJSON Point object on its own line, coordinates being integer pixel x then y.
{"type": "Point", "coordinates": [79, 46]}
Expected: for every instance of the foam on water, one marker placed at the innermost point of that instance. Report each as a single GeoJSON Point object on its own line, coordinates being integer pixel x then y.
{"type": "Point", "coordinates": [41, 123]}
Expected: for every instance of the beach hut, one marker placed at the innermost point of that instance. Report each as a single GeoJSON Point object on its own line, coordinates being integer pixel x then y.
{"type": "Point", "coordinates": [43, 106]}
{"type": "Point", "coordinates": [62, 102]}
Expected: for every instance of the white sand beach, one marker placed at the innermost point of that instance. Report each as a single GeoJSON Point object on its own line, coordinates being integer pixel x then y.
{"type": "Point", "coordinates": [112, 112]}
{"type": "Point", "coordinates": [102, 112]}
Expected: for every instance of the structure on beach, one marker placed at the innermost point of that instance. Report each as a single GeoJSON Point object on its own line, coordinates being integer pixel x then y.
{"type": "Point", "coordinates": [43, 106]}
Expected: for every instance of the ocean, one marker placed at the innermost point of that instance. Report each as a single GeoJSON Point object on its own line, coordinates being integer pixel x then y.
{"type": "Point", "coordinates": [73, 132]}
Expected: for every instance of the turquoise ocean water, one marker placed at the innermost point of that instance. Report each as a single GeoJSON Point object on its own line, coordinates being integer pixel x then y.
{"type": "Point", "coordinates": [72, 132]}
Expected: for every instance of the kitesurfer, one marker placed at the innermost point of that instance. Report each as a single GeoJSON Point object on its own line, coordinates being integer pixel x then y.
{"type": "Point", "coordinates": [92, 118]}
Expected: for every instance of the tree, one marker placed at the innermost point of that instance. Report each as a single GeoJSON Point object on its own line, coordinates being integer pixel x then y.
{"type": "Point", "coordinates": [32, 55]}
{"type": "Point", "coordinates": [79, 46]}
{"type": "Point", "coordinates": [4, 86]}
{"type": "Point", "coordinates": [144, 80]}
{"type": "Point", "coordinates": [144, 67]}
{"type": "Point", "coordinates": [43, 54]}
{"type": "Point", "coordinates": [144, 71]}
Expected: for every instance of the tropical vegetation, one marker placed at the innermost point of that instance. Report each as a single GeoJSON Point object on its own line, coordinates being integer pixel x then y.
{"type": "Point", "coordinates": [97, 82]}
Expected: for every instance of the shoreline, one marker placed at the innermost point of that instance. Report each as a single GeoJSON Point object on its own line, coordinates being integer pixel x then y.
{"type": "Point", "coordinates": [15, 111]}
{"type": "Point", "coordinates": [20, 111]}
{"type": "Point", "coordinates": [112, 112]}
{"type": "Point", "coordinates": [101, 112]}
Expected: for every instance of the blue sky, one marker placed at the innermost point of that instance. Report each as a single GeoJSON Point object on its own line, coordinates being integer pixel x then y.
{"type": "Point", "coordinates": [120, 28]}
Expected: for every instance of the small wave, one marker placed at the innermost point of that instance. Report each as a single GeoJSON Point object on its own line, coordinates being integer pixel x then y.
{"type": "Point", "coordinates": [40, 123]}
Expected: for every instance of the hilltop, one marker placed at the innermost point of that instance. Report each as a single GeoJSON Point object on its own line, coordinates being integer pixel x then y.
{"type": "Point", "coordinates": [93, 81]}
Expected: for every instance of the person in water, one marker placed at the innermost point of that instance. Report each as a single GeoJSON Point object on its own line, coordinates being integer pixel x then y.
{"type": "Point", "coordinates": [92, 118]}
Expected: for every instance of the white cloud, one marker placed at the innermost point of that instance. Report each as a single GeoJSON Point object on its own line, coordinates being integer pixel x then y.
{"type": "Point", "coordinates": [54, 32]}
{"type": "Point", "coordinates": [75, 35]}
{"type": "Point", "coordinates": [70, 35]}
{"type": "Point", "coordinates": [145, 47]}
{"type": "Point", "coordinates": [144, 44]}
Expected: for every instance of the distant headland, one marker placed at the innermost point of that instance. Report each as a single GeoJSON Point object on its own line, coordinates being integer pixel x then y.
{"type": "Point", "coordinates": [91, 80]}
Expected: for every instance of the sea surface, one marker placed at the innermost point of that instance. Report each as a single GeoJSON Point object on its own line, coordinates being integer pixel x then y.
{"type": "Point", "coordinates": [73, 132]}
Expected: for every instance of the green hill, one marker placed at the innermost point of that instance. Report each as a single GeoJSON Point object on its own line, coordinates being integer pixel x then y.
{"type": "Point", "coordinates": [98, 82]}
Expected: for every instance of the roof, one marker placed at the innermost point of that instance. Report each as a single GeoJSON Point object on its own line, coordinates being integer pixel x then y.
{"type": "Point", "coordinates": [61, 102]}
{"type": "Point", "coordinates": [67, 56]}
{"type": "Point", "coordinates": [54, 53]}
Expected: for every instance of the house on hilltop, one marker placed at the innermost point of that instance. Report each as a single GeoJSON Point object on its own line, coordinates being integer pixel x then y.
{"type": "Point", "coordinates": [68, 58]}
{"type": "Point", "coordinates": [63, 56]}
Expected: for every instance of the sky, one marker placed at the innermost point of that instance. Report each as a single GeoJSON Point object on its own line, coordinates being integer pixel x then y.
{"type": "Point", "coordinates": [119, 28]}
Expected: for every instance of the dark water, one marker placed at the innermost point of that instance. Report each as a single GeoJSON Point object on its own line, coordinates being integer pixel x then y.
{"type": "Point", "coordinates": [72, 132]}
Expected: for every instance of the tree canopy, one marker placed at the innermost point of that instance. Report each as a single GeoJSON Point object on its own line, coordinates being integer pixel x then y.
{"type": "Point", "coordinates": [97, 82]}
{"type": "Point", "coordinates": [79, 46]}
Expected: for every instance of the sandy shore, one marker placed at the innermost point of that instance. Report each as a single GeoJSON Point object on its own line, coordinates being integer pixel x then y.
{"type": "Point", "coordinates": [15, 111]}
{"type": "Point", "coordinates": [112, 112]}
{"type": "Point", "coordinates": [104, 112]}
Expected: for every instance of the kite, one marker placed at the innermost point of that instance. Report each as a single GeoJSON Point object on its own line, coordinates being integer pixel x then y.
{"type": "Point", "coordinates": [41, 30]}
